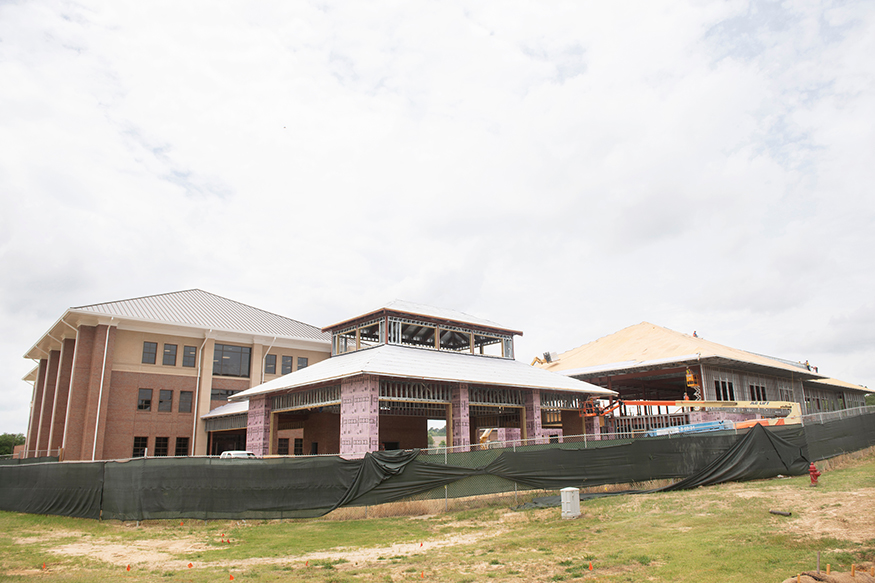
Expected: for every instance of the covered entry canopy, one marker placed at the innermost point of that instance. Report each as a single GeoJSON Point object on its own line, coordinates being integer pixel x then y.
{"type": "Point", "coordinates": [414, 363]}
{"type": "Point", "coordinates": [381, 397]}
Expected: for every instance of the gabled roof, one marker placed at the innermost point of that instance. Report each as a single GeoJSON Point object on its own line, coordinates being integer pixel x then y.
{"type": "Point", "coordinates": [416, 363]}
{"type": "Point", "coordinates": [413, 309]}
{"type": "Point", "coordinates": [196, 307]}
{"type": "Point", "coordinates": [647, 345]}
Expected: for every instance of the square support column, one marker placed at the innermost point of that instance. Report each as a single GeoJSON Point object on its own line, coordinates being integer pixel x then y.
{"type": "Point", "coordinates": [461, 418]}
{"type": "Point", "coordinates": [532, 408]}
{"type": "Point", "coordinates": [47, 405]}
{"type": "Point", "coordinates": [359, 416]}
{"type": "Point", "coordinates": [62, 390]}
{"type": "Point", "coordinates": [258, 426]}
{"type": "Point", "coordinates": [36, 405]}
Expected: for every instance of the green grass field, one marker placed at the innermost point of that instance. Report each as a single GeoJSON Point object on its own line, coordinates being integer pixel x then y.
{"type": "Point", "coordinates": [722, 533]}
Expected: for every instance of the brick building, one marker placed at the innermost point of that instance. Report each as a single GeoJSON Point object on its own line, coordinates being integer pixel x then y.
{"type": "Point", "coordinates": [136, 376]}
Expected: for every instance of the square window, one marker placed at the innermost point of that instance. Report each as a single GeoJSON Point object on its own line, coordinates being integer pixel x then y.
{"type": "Point", "coordinates": [189, 356]}
{"type": "Point", "coordinates": [302, 362]}
{"type": "Point", "coordinates": [270, 364]}
{"type": "Point", "coordinates": [169, 355]}
{"type": "Point", "coordinates": [140, 445]}
{"type": "Point", "coordinates": [150, 351]}
{"type": "Point", "coordinates": [144, 400]}
{"type": "Point", "coordinates": [161, 446]}
{"type": "Point", "coordinates": [181, 447]}
{"type": "Point", "coordinates": [287, 364]}
{"type": "Point", "coordinates": [165, 401]}
{"type": "Point", "coordinates": [185, 401]}
{"type": "Point", "coordinates": [282, 446]}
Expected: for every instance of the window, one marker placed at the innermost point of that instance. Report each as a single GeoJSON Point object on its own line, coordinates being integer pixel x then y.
{"type": "Point", "coordinates": [185, 402]}
{"type": "Point", "coordinates": [287, 364]}
{"type": "Point", "coordinates": [299, 446]}
{"type": "Point", "coordinates": [144, 400]}
{"type": "Point", "coordinates": [140, 445]}
{"type": "Point", "coordinates": [150, 351]}
{"type": "Point", "coordinates": [282, 446]}
{"type": "Point", "coordinates": [169, 355]}
{"type": "Point", "coordinates": [161, 446]}
{"type": "Point", "coordinates": [231, 361]}
{"type": "Point", "coordinates": [302, 362]}
{"type": "Point", "coordinates": [314, 448]}
{"type": "Point", "coordinates": [165, 401]}
{"type": "Point", "coordinates": [724, 390]}
{"type": "Point", "coordinates": [757, 393]}
{"type": "Point", "coordinates": [181, 447]}
{"type": "Point", "coordinates": [189, 356]}
{"type": "Point", "coordinates": [270, 364]}
{"type": "Point", "coordinates": [221, 394]}
{"type": "Point", "coordinates": [785, 394]}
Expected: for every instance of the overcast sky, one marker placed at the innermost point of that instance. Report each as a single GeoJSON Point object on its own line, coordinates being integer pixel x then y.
{"type": "Point", "coordinates": [567, 169]}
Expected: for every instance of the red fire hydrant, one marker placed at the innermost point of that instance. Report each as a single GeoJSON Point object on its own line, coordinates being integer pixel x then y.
{"type": "Point", "coordinates": [812, 471]}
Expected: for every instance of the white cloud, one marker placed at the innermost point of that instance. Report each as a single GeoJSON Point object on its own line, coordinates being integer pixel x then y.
{"type": "Point", "coordinates": [567, 169]}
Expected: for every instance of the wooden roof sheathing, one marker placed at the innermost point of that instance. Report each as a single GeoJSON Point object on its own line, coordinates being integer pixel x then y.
{"type": "Point", "coordinates": [647, 344]}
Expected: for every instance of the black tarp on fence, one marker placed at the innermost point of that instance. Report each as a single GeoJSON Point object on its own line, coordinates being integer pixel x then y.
{"type": "Point", "coordinates": [212, 488]}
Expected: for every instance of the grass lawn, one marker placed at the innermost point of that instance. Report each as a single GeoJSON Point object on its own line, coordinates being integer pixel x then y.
{"type": "Point", "coordinates": [721, 533]}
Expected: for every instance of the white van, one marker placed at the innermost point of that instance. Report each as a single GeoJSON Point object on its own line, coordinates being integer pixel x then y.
{"type": "Point", "coordinates": [237, 454]}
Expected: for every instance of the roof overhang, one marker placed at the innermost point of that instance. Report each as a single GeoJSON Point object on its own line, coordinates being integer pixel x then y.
{"type": "Point", "coordinates": [66, 325]}
{"type": "Point", "coordinates": [687, 360]}
{"type": "Point", "coordinates": [402, 362]}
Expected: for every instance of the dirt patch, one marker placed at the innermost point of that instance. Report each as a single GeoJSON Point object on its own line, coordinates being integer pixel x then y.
{"type": "Point", "coordinates": [840, 515]}
{"type": "Point", "coordinates": [863, 574]}
{"type": "Point", "coordinates": [135, 552]}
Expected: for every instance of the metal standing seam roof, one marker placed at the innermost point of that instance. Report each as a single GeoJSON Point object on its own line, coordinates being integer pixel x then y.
{"type": "Point", "coordinates": [196, 307]}
{"type": "Point", "coordinates": [646, 344]}
{"type": "Point", "coordinates": [418, 363]}
{"type": "Point", "coordinates": [414, 309]}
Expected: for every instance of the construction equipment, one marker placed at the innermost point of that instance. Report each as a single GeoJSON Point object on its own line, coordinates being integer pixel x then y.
{"type": "Point", "coordinates": [591, 408]}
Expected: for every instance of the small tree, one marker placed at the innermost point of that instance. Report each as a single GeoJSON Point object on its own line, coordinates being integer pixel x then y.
{"type": "Point", "coordinates": [8, 441]}
{"type": "Point", "coordinates": [870, 400]}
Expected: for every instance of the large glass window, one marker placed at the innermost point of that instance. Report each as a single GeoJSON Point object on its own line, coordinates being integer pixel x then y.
{"type": "Point", "coordinates": [287, 364]}
{"type": "Point", "coordinates": [231, 361]}
{"type": "Point", "coordinates": [140, 445]}
{"type": "Point", "coordinates": [282, 446]}
{"type": "Point", "coordinates": [189, 356]}
{"type": "Point", "coordinates": [302, 362]}
{"type": "Point", "coordinates": [185, 401]}
{"type": "Point", "coordinates": [270, 364]}
{"type": "Point", "coordinates": [150, 351]}
{"type": "Point", "coordinates": [165, 401]}
{"type": "Point", "coordinates": [144, 400]}
{"type": "Point", "coordinates": [169, 355]}
{"type": "Point", "coordinates": [161, 444]}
